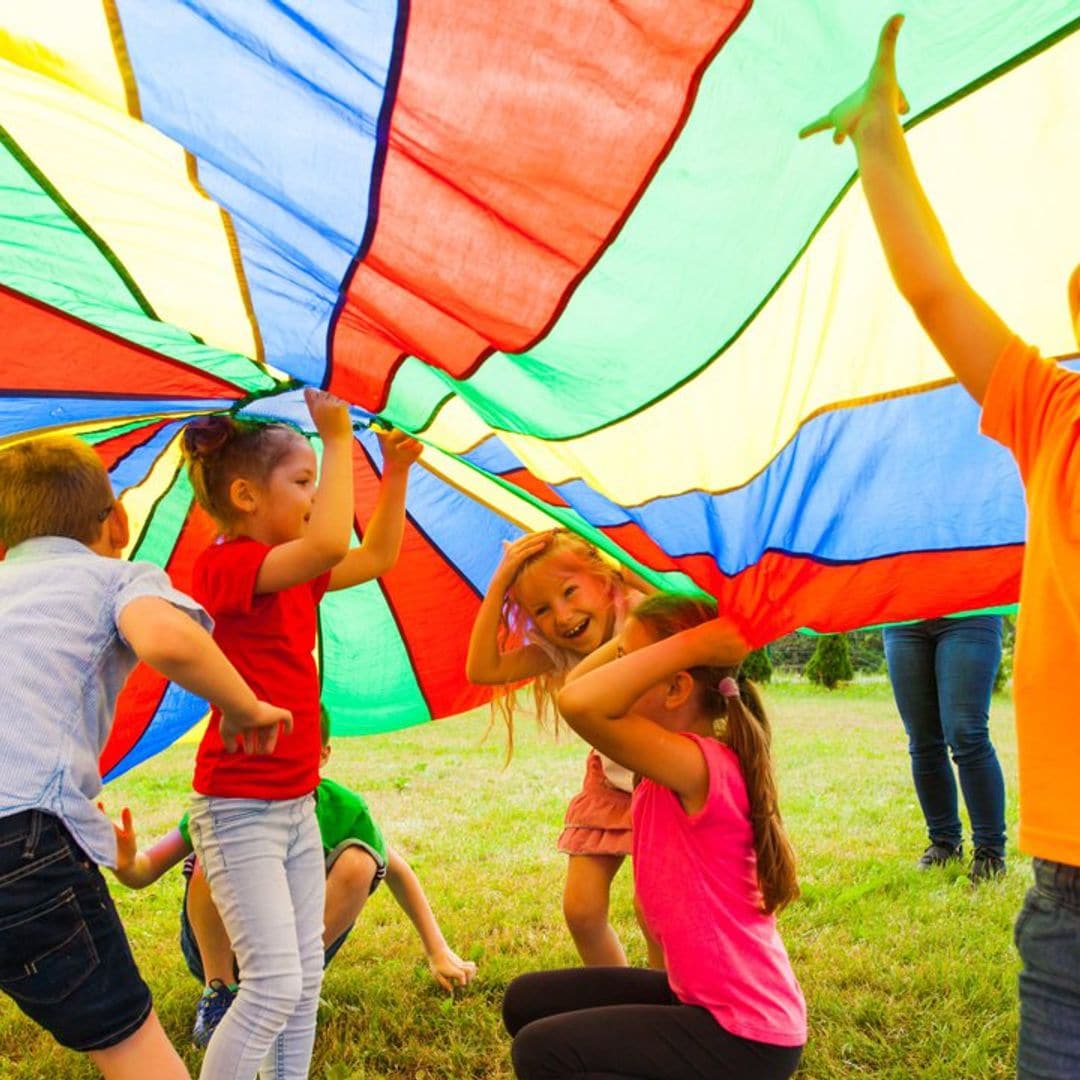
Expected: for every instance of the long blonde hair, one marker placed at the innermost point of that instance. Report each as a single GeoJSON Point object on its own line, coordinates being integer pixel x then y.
{"type": "Point", "coordinates": [516, 630]}
{"type": "Point", "coordinates": [745, 729]}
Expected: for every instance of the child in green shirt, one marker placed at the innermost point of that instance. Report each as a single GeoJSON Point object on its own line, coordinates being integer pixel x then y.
{"type": "Point", "coordinates": [357, 858]}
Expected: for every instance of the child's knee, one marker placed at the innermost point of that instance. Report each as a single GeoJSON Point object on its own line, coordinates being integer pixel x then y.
{"type": "Point", "coordinates": [276, 997]}
{"type": "Point", "coordinates": [537, 1051]}
{"type": "Point", "coordinates": [355, 868]}
{"type": "Point", "coordinates": [585, 911]}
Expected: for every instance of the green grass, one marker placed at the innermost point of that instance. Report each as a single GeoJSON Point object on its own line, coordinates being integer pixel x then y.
{"type": "Point", "coordinates": [906, 974]}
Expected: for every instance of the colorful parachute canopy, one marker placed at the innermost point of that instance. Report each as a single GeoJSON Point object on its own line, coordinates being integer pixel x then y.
{"type": "Point", "coordinates": [576, 247]}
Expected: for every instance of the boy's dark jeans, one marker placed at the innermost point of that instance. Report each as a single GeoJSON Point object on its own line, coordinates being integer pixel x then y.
{"type": "Point", "coordinates": [64, 957]}
{"type": "Point", "coordinates": [1048, 938]}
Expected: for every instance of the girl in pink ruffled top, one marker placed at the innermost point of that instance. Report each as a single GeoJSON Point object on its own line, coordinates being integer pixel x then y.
{"type": "Point", "coordinates": [712, 866]}
{"type": "Point", "coordinates": [551, 601]}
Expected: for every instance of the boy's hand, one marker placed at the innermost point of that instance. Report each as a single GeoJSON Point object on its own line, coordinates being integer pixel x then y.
{"type": "Point", "coordinates": [127, 846]}
{"type": "Point", "coordinates": [514, 554]}
{"type": "Point", "coordinates": [329, 414]}
{"type": "Point", "coordinates": [880, 93]}
{"type": "Point", "coordinates": [450, 970]}
{"type": "Point", "coordinates": [399, 450]}
{"type": "Point", "coordinates": [254, 731]}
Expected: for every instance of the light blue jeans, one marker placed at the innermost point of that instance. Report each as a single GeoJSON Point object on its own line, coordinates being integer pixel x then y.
{"type": "Point", "coordinates": [263, 861]}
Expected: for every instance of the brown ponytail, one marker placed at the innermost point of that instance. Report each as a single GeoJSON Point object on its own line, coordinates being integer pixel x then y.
{"type": "Point", "coordinates": [219, 448]}
{"type": "Point", "coordinates": [743, 725]}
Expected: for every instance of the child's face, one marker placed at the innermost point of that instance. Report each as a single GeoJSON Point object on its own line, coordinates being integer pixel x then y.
{"type": "Point", "coordinates": [284, 507]}
{"type": "Point", "coordinates": [570, 606]}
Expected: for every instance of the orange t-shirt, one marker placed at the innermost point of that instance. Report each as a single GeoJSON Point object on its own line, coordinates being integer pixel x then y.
{"type": "Point", "coordinates": [1032, 407]}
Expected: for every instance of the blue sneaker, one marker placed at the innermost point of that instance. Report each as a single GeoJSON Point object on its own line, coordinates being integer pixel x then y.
{"type": "Point", "coordinates": [213, 1005]}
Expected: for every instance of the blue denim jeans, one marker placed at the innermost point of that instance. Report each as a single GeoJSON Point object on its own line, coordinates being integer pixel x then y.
{"type": "Point", "coordinates": [942, 673]}
{"type": "Point", "coordinates": [263, 861]}
{"type": "Point", "coordinates": [64, 957]}
{"type": "Point", "coordinates": [1048, 938]}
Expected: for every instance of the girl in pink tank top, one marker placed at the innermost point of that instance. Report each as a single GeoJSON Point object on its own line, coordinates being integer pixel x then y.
{"type": "Point", "coordinates": [712, 866]}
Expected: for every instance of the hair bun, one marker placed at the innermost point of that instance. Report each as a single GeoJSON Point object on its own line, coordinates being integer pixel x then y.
{"type": "Point", "coordinates": [207, 435]}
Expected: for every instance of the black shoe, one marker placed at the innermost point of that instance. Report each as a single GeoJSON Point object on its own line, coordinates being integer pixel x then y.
{"type": "Point", "coordinates": [985, 865]}
{"type": "Point", "coordinates": [939, 853]}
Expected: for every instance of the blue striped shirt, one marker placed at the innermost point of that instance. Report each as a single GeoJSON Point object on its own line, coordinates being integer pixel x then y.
{"type": "Point", "coordinates": [64, 664]}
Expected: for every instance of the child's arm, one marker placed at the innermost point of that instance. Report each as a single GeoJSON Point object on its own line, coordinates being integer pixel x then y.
{"type": "Point", "coordinates": [137, 869]}
{"type": "Point", "coordinates": [382, 538]}
{"type": "Point", "coordinates": [174, 644]}
{"type": "Point", "coordinates": [326, 540]}
{"type": "Point", "coordinates": [966, 330]}
{"type": "Point", "coordinates": [446, 966]}
{"type": "Point", "coordinates": [485, 664]}
{"type": "Point", "coordinates": [597, 700]}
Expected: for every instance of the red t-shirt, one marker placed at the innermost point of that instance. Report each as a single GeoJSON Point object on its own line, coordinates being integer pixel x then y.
{"type": "Point", "coordinates": [270, 638]}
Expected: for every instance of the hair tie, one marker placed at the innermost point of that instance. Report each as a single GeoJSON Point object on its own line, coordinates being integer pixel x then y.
{"type": "Point", "coordinates": [206, 435]}
{"type": "Point", "coordinates": [728, 687]}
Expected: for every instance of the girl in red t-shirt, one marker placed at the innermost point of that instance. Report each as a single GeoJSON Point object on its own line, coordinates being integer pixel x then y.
{"type": "Point", "coordinates": [252, 820]}
{"type": "Point", "coordinates": [551, 601]}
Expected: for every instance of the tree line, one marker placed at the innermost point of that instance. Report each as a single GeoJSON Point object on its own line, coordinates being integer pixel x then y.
{"type": "Point", "coordinates": [833, 659]}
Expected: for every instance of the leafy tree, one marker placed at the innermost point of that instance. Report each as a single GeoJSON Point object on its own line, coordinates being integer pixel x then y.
{"type": "Point", "coordinates": [792, 651]}
{"type": "Point", "coordinates": [1008, 643]}
{"type": "Point", "coordinates": [867, 651]}
{"type": "Point", "coordinates": [831, 662]}
{"type": "Point", "coordinates": [758, 666]}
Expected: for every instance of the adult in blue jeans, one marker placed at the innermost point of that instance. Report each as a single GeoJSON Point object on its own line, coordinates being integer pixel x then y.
{"type": "Point", "coordinates": [942, 673]}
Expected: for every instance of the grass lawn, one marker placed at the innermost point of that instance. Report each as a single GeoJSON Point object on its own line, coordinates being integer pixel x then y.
{"type": "Point", "coordinates": [906, 974]}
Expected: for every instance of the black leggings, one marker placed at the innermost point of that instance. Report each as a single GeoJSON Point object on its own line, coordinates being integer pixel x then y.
{"type": "Point", "coordinates": [608, 1023]}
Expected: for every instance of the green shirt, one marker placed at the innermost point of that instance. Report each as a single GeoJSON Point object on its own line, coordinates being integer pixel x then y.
{"type": "Point", "coordinates": [344, 819]}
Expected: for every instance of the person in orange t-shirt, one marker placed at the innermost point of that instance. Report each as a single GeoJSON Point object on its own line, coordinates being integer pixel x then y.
{"type": "Point", "coordinates": [1032, 407]}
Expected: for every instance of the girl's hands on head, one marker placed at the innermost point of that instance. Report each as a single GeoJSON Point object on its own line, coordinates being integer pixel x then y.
{"type": "Point", "coordinates": [329, 414]}
{"type": "Point", "coordinates": [486, 664]}
{"type": "Point", "coordinates": [399, 449]}
{"type": "Point", "coordinates": [719, 643]}
{"type": "Point", "coordinates": [879, 95]}
{"type": "Point", "coordinates": [517, 552]}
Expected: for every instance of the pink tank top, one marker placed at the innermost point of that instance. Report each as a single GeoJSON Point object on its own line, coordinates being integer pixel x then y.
{"type": "Point", "coordinates": [696, 882]}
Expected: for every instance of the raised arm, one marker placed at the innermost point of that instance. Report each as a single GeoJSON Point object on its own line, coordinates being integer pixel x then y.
{"type": "Point", "coordinates": [382, 538]}
{"type": "Point", "coordinates": [447, 968]}
{"type": "Point", "coordinates": [326, 539]}
{"type": "Point", "coordinates": [599, 697]}
{"type": "Point", "coordinates": [966, 330]}
{"type": "Point", "coordinates": [136, 869]}
{"type": "Point", "coordinates": [174, 644]}
{"type": "Point", "coordinates": [485, 664]}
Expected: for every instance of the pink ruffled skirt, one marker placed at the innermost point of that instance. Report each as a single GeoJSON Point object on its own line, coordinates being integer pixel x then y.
{"type": "Point", "coordinates": [597, 820]}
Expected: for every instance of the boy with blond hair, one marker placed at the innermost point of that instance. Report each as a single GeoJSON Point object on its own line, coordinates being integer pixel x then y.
{"type": "Point", "coordinates": [1032, 407]}
{"type": "Point", "coordinates": [75, 619]}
